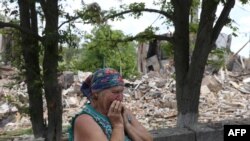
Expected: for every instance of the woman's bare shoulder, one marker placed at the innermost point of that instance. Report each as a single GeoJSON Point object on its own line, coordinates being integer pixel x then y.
{"type": "Point", "coordinates": [86, 128]}
{"type": "Point", "coordinates": [84, 118]}
{"type": "Point", "coordinates": [84, 121]}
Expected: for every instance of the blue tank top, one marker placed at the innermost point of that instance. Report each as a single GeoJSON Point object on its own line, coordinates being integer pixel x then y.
{"type": "Point", "coordinates": [102, 121]}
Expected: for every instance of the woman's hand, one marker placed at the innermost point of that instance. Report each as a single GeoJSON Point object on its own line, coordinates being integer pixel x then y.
{"type": "Point", "coordinates": [127, 118]}
{"type": "Point", "coordinates": [133, 128]}
{"type": "Point", "coordinates": [115, 117]}
{"type": "Point", "coordinates": [115, 114]}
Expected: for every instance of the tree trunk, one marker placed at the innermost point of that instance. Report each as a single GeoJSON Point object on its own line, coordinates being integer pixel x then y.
{"type": "Point", "coordinates": [189, 76]}
{"type": "Point", "coordinates": [186, 114]}
{"type": "Point", "coordinates": [30, 50]}
{"type": "Point", "coordinates": [50, 63]}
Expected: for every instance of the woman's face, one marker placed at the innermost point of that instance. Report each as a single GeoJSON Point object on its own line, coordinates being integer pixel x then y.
{"type": "Point", "coordinates": [107, 96]}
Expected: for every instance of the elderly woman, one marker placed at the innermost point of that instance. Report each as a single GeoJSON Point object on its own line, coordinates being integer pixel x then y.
{"type": "Point", "coordinates": [105, 117]}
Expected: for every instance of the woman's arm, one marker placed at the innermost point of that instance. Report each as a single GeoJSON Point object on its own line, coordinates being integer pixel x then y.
{"type": "Point", "coordinates": [134, 129]}
{"type": "Point", "coordinates": [86, 128]}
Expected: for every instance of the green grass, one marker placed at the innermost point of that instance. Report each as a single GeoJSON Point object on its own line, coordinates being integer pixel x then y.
{"type": "Point", "coordinates": [9, 135]}
{"type": "Point", "coordinates": [15, 133]}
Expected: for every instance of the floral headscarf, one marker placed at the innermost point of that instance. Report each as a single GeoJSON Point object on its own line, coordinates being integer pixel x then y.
{"type": "Point", "coordinates": [100, 80]}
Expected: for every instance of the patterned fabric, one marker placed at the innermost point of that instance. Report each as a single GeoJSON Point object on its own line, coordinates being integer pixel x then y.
{"type": "Point", "coordinates": [100, 80]}
{"type": "Point", "coordinates": [85, 88]}
{"type": "Point", "coordinates": [102, 121]}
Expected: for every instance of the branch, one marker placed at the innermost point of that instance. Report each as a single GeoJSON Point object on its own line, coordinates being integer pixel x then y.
{"type": "Point", "coordinates": [26, 31]}
{"type": "Point", "coordinates": [165, 37]}
{"type": "Point", "coordinates": [75, 18]}
{"type": "Point", "coordinates": [70, 20]}
{"type": "Point", "coordinates": [223, 19]}
{"type": "Point", "coordinates": [167, 15]}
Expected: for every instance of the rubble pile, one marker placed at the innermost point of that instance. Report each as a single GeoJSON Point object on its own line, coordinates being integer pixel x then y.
{"type": "Point", "coordinates": [151, 98]}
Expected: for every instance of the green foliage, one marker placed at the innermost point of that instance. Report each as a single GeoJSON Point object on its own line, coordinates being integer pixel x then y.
{"type": "Point", "coordinates": [147, 34]}
{"type": "Point", "coordinates": [242, 1]}
{"type": "Point", "coordinates": [233, 27]}
{"type": "Point", "coordinates": [137, 8]}
{"type": "Point", "coordinates": [194, 8]}
{"type": "Point", "coordinates": [195, 3]}
{"type": "Point", "coordinates": [70, 57]}
{"type": "Point", "coordinates": [69, 38]}
{"type": "Point", "coordinates": [217, 58]}
{"type": "Point", "coordinates": [167, 48]}
{"type": "Point", "coordinates": [103, 50]}
{"type": "Point", "coordinates": [91, 13]}
{"type": "Point", "coordinates": [165, 6]}
{"type": "Point", "coordinates": [193, 27]}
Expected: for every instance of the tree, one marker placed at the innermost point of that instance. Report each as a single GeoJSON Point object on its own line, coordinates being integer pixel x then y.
{"type": "Point", "coordinates": [102, 50]}
{"type": "Point", "coordinates": [189, 72]}
{"type": "Point", "coordinates": [30, 49]}
{"type": "Point", "coordinates": [50, 64]}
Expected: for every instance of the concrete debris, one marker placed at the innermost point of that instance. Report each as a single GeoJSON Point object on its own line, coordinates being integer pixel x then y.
{"type": "Point", "coordinates": [81, 76]}
{"type": "Point", "coordinates": [4, 108]}
{"type": "Point", "coordinates": [212, 83]}
{"type": "Point", "coordinates": [66, 79]}
{"type": "Point", "coordinates": [152, 98]}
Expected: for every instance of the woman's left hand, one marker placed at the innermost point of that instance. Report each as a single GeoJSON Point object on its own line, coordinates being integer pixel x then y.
{"type": "Point", "coordinates": [127, 117]}
{"type": "Point", "coordinates": [133, 127]}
